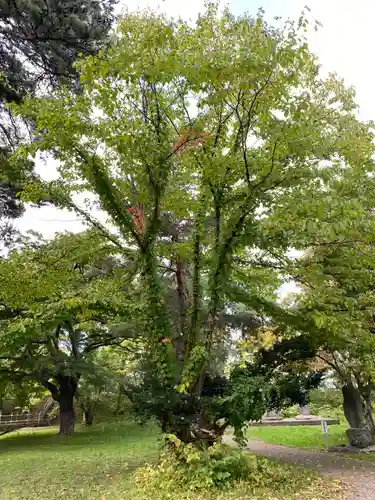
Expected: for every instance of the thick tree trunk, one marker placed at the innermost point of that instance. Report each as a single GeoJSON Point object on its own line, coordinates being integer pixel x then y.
{"type": "Point", "coordinates": [200, 431]}
{"type": "Point", "coordinates": [67, 417]}
{"type": "Point", "coordinates": [353, 407]}
{"type": "Point", "coordinates": [68, 387]}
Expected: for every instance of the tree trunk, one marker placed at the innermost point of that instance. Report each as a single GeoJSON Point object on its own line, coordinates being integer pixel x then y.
{"type": "Point", "coordinates": [88, 412]}
{"type": "Point", "coordinates": [366, 393]}
{"type": "Point", "coordinates": [68, 387]}
{"type": "Point", "coordinates": [353, 408]}
{"type": "Point", "coordinates": [200, 430]}
{"type": "Point", "coordinates": [67, 417]}
{"type": "Point", "coordinates": [369, 416]}
{"type": "Point", "coordinates": [88, 416]}
{"type": "Point", "coordinates": [119, 401]}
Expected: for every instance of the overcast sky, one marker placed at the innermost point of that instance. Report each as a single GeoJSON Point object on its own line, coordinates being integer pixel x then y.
{"type": "Point", "coordinates": [344, 44]}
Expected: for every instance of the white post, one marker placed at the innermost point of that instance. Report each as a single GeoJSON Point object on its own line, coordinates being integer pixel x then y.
{"type": "Point", "coordinates": [325, 432]}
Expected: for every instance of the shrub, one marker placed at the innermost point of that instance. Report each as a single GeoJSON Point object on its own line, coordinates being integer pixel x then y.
{"type": "Point", "coordinates": [290, 412]}
{"type": "Point", "coordinates": [327, 402]}
{"type": "Point", "coordinates": [186, 468]}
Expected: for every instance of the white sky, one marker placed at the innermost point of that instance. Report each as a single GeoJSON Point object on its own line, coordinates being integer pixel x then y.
{"type": "Point", "coordinates": [344, 44]}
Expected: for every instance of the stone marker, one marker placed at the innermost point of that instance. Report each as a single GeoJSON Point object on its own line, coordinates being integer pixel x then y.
{"type": "Point", "coordinates": [304, 413]}
{"type": "Point", "coordinates": [271, 415]}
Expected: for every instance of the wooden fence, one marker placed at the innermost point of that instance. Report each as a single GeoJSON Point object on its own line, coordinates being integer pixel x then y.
{"type": "Point", "coordinates": [11, 421]}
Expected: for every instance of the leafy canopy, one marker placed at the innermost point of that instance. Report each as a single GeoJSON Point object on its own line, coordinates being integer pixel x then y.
{"type": "Point", "coordinates": [59, 303]}
{"type": "Point", "coordinates": [208, 147]}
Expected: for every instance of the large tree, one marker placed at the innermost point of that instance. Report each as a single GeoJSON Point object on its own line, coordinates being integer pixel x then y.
{"type": "Point", "coordinates": [40, 41]}
{"type": "Point", "coordinates": [198, 143]}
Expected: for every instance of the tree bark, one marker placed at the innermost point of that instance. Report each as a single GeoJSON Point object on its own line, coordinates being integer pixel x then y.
{"type": "Point", "coordinates": [201, 430]}
{"type": "Point", "coordinates": [67, 417]}
{"type": "Point", "coordinates": [68, 387]}
{"type": "Point", "coordinates": [353, 408]}
{"type": "Point", "coordinates": [366, 393]}
{"type": "Point", "coordinates": [88, 416]}
{"type": "Point", "coordinates": [88, 409]}
{"type": "Point", "coordinates": [369, 416]}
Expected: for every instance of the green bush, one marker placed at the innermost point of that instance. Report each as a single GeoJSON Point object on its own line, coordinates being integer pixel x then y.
{"type": "Point", "coordinates": [327, 402]}
{"type": "Point", "coordinates": [290, 412]}
{"type": "Point", "coordinates": [219, 467]}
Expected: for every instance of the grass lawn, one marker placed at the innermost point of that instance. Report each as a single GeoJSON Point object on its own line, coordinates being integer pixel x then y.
{"type": "Point", "coordinates": [304, 436]}
{"type": "Point", "coordinates": [99, 464]}
{"type": "Point", "coordinates": [93, 464]}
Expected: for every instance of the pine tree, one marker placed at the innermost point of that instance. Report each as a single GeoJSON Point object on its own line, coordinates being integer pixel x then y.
{"type": "Point", "coordinates": [40, 40]}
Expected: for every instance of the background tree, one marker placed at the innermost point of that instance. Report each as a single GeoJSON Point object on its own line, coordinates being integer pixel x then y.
{"type": "Point", "coordinates": [335, 276]}
{"type": "Point", "coordinates": [103, 389]}
{"type": "Point", "coordinates": [39, 43]}
{"type": "Point", "coordinates": [340, 301]}
{"type": "Point", "coordinates": [23, 396]}
{"type": "Point", "coordinates": [199, 154]}
{"type": "Point", "coordinates": [59, 303]}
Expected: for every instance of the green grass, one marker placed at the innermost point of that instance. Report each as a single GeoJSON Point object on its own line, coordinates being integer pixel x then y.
{"type": "Point", "coordinates": [99, 464]}
{"type": "Point", "coordinates": [306, 436]}
{"type": "Point", "coordinates": [93, 464]}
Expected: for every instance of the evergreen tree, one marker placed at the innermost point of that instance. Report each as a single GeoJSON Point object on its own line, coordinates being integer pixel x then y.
{"type": "Point", "coordinates": [39, 42]}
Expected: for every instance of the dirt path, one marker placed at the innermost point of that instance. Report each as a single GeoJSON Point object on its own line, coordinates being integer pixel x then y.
{"type": "Point", "coordinates": [359, 475]}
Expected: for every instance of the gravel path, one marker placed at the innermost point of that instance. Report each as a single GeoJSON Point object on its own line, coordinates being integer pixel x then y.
{"type": "Point", "coordinates": [359, 475]}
